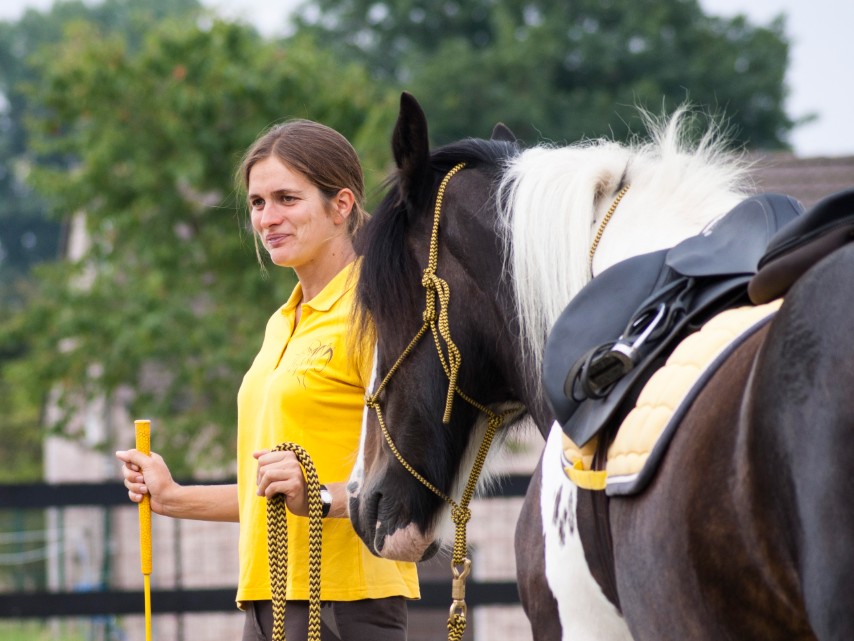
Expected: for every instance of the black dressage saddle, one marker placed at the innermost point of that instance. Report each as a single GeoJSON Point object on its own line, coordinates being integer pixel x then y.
{"type": "Point", "coordinates": [622, 326]}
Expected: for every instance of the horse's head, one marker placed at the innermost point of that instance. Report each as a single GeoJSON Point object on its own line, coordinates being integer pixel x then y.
{"type": "Point", "coordinates": [447, 283]}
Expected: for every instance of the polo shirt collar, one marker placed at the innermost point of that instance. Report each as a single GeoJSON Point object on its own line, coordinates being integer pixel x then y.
{"type": "Point", "coordinates": [342, 282]}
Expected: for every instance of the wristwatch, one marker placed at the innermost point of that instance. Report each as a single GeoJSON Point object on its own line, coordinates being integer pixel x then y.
{"type": "Point", "coordinates": [326, 500]}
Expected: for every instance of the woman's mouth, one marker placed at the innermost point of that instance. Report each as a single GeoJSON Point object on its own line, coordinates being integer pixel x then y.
{"type": "Point", "coordinates": [275, 240]}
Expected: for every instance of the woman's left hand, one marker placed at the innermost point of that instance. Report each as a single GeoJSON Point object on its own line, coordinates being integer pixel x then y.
{"type": "Point", "coordinates": [280, 473]}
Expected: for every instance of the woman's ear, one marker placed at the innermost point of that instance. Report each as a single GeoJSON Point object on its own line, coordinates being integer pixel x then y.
{"type": "Point", "coordinates": [343, 203]}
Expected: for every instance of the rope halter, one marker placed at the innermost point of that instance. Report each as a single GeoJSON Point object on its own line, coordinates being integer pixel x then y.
{"type": "Point", "coordinates": [603, 225]}
{"type": "Point", "coordinates": [435, 319]}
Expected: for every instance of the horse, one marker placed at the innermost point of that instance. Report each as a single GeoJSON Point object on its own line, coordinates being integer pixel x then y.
{"type": "Point", "coordinates": [743, 533]}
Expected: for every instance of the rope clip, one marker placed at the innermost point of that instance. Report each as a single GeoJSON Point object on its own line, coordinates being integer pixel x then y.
{"type": "Point", "coordinates": [458, 587]}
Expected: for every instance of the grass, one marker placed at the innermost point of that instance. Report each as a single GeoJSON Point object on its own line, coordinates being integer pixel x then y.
{"type": "Point", "coordinates": [41, 631]}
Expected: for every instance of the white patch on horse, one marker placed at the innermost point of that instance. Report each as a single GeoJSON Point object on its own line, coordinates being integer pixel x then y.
{"type": "Point", "coordinates": [585, 613]}
{"type": "Point", "coordinates": [357, 474]}
{"type": "Point", "coordinates": [563, 516]}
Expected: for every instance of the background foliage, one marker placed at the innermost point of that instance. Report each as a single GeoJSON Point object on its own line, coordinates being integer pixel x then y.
{"type": "Point", "coordinates": [126, 120]}
{"type": "Point", "coordinates": [168, 300]}
{"type": "Point", "coordinates": [28, 234]}
{"type": "Point", "coordinates": [566, 70]}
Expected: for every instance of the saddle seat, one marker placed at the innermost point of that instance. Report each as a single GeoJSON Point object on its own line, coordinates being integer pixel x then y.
{"type": "Point", "coordinates": [622, 326]}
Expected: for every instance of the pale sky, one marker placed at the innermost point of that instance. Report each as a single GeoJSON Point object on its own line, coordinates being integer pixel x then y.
{"type": "Point", "coordinates": [821, 68]}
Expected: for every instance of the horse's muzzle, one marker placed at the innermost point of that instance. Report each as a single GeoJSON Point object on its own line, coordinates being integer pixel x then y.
{"type": "Point", "coordinates": [385, 535]}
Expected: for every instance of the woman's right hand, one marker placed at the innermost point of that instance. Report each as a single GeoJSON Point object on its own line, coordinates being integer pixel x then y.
{"type": "Point", "coordinates": [146, 475]}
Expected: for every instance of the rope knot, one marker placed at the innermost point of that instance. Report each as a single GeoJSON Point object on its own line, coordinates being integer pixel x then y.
{"type": "Point", "coordinates": [460, 515]}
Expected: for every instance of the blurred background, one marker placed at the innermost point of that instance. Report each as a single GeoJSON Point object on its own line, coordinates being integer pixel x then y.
{"type": "Point", "coordinates": [129, 286]}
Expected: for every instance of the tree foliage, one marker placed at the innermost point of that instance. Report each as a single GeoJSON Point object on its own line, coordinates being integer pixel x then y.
{"type": "Point", "coordinates": [28, 235]}
{"type": "Point", "coordinates": [166, 306]}
{"type": "Point", "coordinates": [567, 70]}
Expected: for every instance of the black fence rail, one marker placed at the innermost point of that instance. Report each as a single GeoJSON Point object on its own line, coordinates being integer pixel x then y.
{"type": "Point", "coordinates": [114, 494]}
{"type": "Point", "coordinates": [435, 593]}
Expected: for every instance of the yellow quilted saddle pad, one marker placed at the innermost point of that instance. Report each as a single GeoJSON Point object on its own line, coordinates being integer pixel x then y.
{"type": "Point", "coordinates": [673, 385]}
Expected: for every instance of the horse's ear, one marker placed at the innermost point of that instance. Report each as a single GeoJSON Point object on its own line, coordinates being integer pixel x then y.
{"type": "Point", "coordinates": [411, 148]}
{"type": "Point", "coordinates": [502, 132]}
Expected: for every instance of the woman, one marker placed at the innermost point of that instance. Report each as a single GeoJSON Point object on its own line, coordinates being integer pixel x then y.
{"type": "Point", "coordinates": [305, 190]}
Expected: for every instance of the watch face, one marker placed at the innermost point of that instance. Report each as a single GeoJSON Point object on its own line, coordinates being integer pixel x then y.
{"type": "Point", "coordinates": [326, 499]}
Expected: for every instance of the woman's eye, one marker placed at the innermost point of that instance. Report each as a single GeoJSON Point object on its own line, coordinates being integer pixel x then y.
{"type": "Point", "coordinates": [256, 203]}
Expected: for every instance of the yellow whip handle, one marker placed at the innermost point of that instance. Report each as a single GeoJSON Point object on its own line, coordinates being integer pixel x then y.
{"type": "Point", "coordinates": [143, 444]}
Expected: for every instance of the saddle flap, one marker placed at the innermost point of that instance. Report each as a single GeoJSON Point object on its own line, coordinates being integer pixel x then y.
{"type": "Point", "coordinates": [598, 313]}
{"type": "Point", "coordinates": [734, 243]}
{"type": "Point", "coordinates": [594, 414]}
{"type": "Point", "coordinates": [796, 247]}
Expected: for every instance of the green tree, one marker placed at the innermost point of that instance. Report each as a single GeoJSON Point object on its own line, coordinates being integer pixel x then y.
{"type": "Point", "coordinates": [28, 235]}
{"type": "Point", "coordinates": [567, 70]}
{"type": "Point", "coordinates": [167, 305]}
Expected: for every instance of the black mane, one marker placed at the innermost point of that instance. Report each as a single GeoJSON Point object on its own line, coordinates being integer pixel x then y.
{"type": "Point", "coordinates": [389, 284]}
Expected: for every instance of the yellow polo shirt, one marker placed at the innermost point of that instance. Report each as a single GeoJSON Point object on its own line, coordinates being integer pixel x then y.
{"type": "Point", "coordinates": [305, 386]}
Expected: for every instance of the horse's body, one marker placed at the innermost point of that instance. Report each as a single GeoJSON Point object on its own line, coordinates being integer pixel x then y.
{"type": "Point", "coordinates": [746, 531]}
{"type": "Point", "coordinates": [742, 533]}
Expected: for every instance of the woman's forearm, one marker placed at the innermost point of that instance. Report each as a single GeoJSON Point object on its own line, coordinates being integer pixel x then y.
{"type": "Point", "coordinates": [202, 502]}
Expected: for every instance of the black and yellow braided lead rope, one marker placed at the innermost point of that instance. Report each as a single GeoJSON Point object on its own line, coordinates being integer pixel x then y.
{"type": "Point", "coordinates": [277, 547]}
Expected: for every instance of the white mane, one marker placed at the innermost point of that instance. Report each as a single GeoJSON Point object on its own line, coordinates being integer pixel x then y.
{"type": "Point", "coordinates": [552, 199]}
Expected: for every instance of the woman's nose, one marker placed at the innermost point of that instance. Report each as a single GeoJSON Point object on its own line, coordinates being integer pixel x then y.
{"type": "Point", "coordinates": [270, 215]}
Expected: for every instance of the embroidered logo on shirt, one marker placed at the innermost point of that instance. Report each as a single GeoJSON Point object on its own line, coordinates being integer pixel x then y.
{"type": "Point", "coordinates": [314, 359]}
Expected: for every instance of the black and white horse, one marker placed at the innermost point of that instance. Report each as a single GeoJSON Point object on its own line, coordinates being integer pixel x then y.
{"type": "Point", "coordinates": [747, 531]}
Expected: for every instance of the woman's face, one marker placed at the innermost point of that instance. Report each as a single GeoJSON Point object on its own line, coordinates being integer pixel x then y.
{"type": "Point", "coordinates": [293, 219]}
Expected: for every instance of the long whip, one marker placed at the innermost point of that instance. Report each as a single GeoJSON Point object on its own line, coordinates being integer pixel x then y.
{"type": "Point", "coordinates": [143, 444]}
